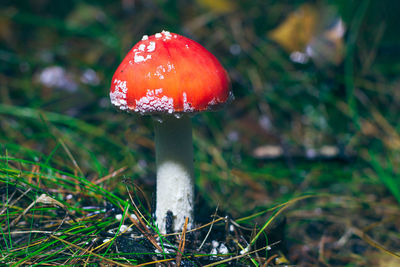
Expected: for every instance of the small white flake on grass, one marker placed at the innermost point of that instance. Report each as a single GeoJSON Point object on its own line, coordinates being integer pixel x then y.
{"type": "Point", "coordinates": [125, 228]}
{"type": "Point", "coordinates": [223, 249]}
{"type": "Point", "coordinates": [118, 217]}
{"type": "Point", "coordinates": [245, 250]}
{"type": "Point", "coordinates": [214, 243]}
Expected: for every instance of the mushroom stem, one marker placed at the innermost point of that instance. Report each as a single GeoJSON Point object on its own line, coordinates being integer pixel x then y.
{"type": "Point", "coordinates": [175, 172]}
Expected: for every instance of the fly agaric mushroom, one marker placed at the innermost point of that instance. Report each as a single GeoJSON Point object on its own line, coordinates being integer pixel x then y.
{"type": "Point", "coordinates": [171, 76]}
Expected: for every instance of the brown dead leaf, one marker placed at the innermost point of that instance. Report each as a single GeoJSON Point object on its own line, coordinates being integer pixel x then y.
{"type": "Point", "coordinates": [297, 30]}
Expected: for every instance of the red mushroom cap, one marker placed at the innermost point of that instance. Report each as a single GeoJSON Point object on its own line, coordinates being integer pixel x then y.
{"type": "Point", "coordinates": [169, 73]}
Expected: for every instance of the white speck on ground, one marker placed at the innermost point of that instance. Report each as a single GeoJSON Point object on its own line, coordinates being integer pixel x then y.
{"type": "Point", "coordinates": [214, 243]}
{"type": "Point", "coordinates": [223, 249]}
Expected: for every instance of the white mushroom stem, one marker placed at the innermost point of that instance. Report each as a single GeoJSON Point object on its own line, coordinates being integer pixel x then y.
{"type": "Point", "coordinates": [175, 172]}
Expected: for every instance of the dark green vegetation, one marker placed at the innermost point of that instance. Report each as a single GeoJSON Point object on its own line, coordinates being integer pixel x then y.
{"type": "Point", "coordinates": [69, 162]}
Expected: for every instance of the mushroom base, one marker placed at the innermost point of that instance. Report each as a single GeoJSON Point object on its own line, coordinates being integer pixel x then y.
{"type": "Point", "coordinates": [175, 172]}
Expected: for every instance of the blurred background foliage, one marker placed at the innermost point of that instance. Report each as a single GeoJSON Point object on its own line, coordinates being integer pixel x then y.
{"type": "Point", "coordinates": [316, 109]}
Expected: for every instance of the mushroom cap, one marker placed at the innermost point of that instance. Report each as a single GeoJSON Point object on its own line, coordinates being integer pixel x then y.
{"type": "Point", "coordinates": [168, 73]}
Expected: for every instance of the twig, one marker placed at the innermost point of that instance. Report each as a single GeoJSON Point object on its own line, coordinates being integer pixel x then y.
{"type": "Point", "coordinates": [200, 227]}
{"type": "Point", "coordinates": [71, 157]}
{"type": "Point", "coordinates": [43, 198]}
{"type": "Point", "coordinates": [15, 201]}
{"type": "Point", "coordinates": [270, 259]}
{"type": "Point", "coordinates": [141, 224]}
{"type": "Point", "coordinates": [373, 243]}
{"type": "Point", "coordinates": [114, 173]}
{"type": "Point", "coordinates": [209, 230]}
{"type": "Point", "coordinates": [181, 246]}
{"type": "Point", "coordinates": [92, 253]}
